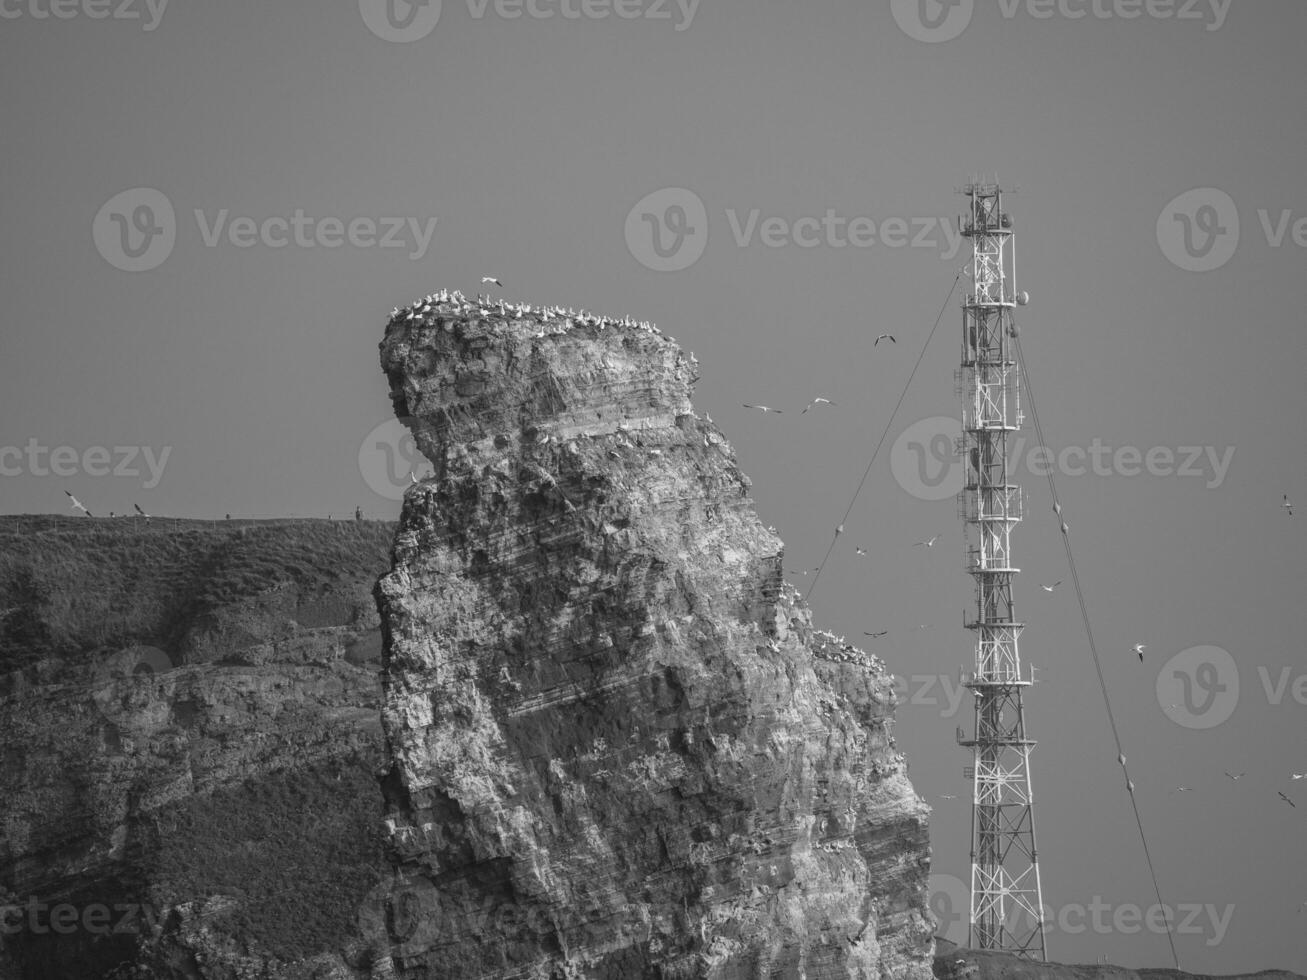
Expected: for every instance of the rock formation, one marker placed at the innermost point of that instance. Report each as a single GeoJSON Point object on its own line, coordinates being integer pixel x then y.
{"type": "Point", "coordinates": [190, 734]}
{"type": "Point", "coordinates": [619, 749]}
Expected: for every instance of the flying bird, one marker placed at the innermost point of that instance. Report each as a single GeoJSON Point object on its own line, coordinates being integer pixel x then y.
{"type": "Point", "coordinates": [817, 401]}
{"type": "Point", "coordinates": [493, 280]}
{"type": "Point", "coordinates": [948, 797]}
{"type": "Point", "coordinates": [1287, 506]}
{"type": "Point", "coordinates": [928, 544]}
{"type": "Point", "coordinates": [764, 408]}
{"type": "Point", "coordinates": [861, 551]}
{"type": "Point", "coordinates": [141, 512]}
{"type": "Point", "coordinates": [1183, 789]}
{"type": "Point", "coordinates": [1139, 648]}
{"type": "Point", "coordinates": [1287, 800]}
{"type": "Point", "coordinates": [883, 336]}
{"type": "Point", "coordinates": [1298, 775]}
{"type": "Point", "coordinates": [78, 505]}
{"type": "Point", "coordinates": [1232, 775]}
{"type": "Point", "coordinates": [874, 635]}
{"type": "Point", "coordinates": [1050, 588]}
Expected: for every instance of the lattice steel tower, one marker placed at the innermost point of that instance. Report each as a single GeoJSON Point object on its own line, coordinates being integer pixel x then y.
{"type": "Point", "coordinates": [1006, 901]}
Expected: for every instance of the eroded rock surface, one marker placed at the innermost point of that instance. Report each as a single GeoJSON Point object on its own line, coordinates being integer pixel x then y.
{"type": "Point", "coordinates": [619, 748]}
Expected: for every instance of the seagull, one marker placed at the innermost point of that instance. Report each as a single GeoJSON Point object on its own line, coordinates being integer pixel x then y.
{"type": "Point", "coordinates": [141, 512]}
{"type": "Point", "coordinates": [861, 551]}
{"type": "Point", "coordinates": [1050, 588]}
{"type": "Point", "coordinates": [1287, 506]}
{"type": "Point", "coordinates": [77, 504]}
{"type": "Point", "coordinates": [493, 280]}
{"type": "Point", "coordinates": [817, 401]}
{"type": "Point", "coordinates": [928, 544]}
{"type": "Point", "coordinates": [1183, 789]}
{"type": "Point", "coordinates": [1298, 775]}
{"type": "Point", "coordinates": [883, 336]}
{"type": "Point", "coordinates": [1232, 775]}
{"type": "Point", "coordinates": [764, 408]}
{"type": "Point", "coordinates": [923, 626]}
{"type": "Point", "coordinates": [948, 797]}
{"type": "Point", "coordinates": [1139, 648]}
{"type": "Point", "coordinates": [874, 635]}
{"type": "Point", "coordinates": [1287, 800]}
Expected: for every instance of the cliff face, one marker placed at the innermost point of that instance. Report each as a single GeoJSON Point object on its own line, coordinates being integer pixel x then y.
{"type": "Point", "coordinates": [619, 748]}
{"type": "Point", "coordinates": [190, 725]}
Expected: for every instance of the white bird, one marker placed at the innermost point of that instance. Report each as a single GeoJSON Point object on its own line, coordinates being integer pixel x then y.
{"type": "Point", "coordinates": [1139, 648]}
{"type": "Point", "coordinates": [77, 504]}
{"type": "Point", "coordinates": [1232, 775]}
{"type": "Point", "coordinates": [1183, 789]}
{"type": "Point", "coordinates": [764, 408]}
{"type": "Point", "coordinates": [874, 635]}
{"type": "Point", "coordinates": [928, 544]}
{"type": "Point", "coordinates": [947, 797]}
{"type": "Point", "coordinates": [493, 280]}
{"type": "Point", "coordinates": [861, 551]}
{"type": "Point", "coordinates": [1298, 775]}
{"type": "Point", "coordinates": [1287, 506]}
{"type": "Point", "coordinates": [883, 336]}
{"type": "Point", "coordinates": [817, 401]}
{"type": "Point", "coordinates": [1050, 588]}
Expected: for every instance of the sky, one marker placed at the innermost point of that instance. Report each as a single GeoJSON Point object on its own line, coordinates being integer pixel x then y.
{"type": "Point", "coordinates": [211, 209]}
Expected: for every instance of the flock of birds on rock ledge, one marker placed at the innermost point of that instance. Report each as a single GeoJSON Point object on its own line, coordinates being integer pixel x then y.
{"type": "Point", "coordinates": [484, 306]}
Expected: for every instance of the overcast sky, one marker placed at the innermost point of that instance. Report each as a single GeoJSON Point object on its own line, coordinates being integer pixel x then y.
{"type": "Point", "coordinates": [233, 351]}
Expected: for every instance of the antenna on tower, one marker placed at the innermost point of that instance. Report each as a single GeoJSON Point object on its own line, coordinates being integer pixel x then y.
{"type": "Point", "coordinates": [1006, 898]}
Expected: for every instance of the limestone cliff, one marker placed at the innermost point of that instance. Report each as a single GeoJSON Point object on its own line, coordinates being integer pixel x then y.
{"type": "Point", "coordinates": [619, 748]}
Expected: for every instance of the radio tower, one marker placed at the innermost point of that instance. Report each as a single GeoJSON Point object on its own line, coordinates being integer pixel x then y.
{"type": "Point", "coordinates": [1006, 902]}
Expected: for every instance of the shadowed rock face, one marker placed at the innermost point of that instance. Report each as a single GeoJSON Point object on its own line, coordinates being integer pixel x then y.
{"type": "Point", "coordinates": [619, 748]}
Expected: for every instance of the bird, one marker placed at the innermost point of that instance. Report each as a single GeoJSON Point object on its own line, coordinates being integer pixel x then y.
{"type": "Point", "coordinates": [1050, 588]}
{"type": "Point", "coordinates": [1233, 775]}
{"type": "Point", "coordinates": [764, 408]}
{"type": "Point", "coordinates": [928, 544]}
{"type": "Point", "coordinates": [1287, 506]}
{"type": "Point", "coordinates": [412, 476]}
{"type": "Point", "coordinates": [1298, 775]}
{"type": "Point", "coordinates": [923, 626]}
{"type": "Point", "coordinates": [947, 797]}
{"type": "Point", "coordinates": [1139, 648]}
{"type": "Point", "coordinates": [861, 551]}
{"type": "Point", "coordinates": [141, 512]}
{"type": "Point", "coordinates": [817, 401]}
{"type": "Point", "coordinates": [493, 280]}
{"type": "Point", "coordinates": [1183, 789]}
{"type": "Point", "coordinates": [78, 505]}
{"type": "Point", "coordinates": [1287, 800]}
{"type": "Point", "coordinates": [874, 635]}
{"type": "Point", "coordinates": [883, 336]}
